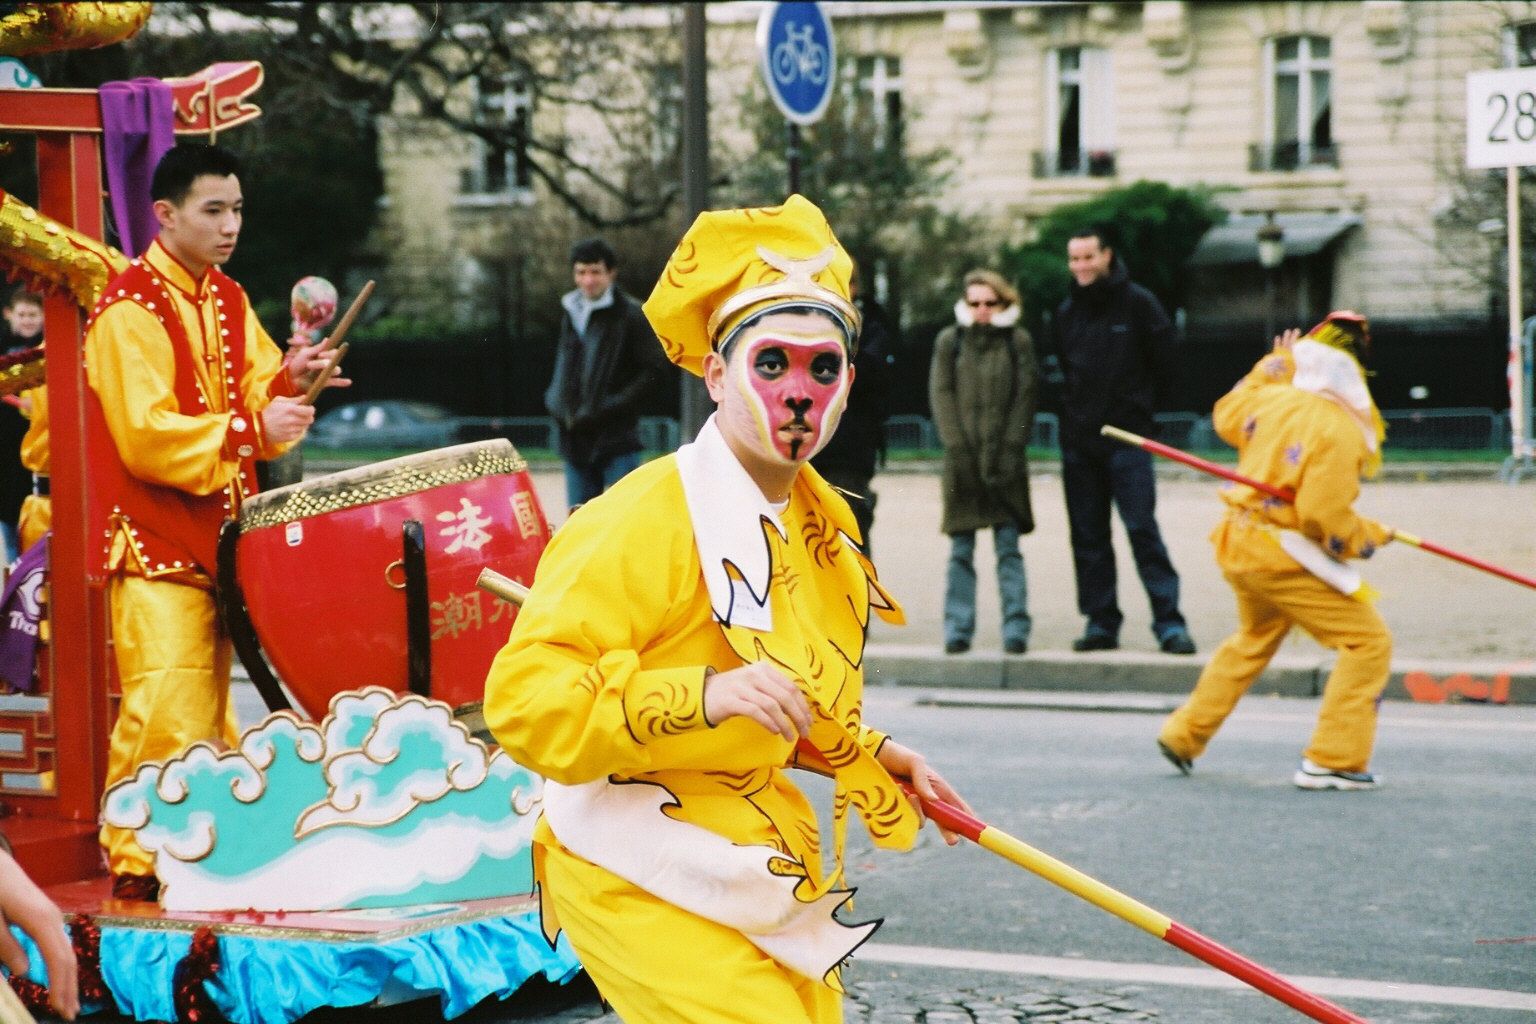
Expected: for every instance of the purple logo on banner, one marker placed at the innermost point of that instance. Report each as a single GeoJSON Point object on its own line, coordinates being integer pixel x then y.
{"type": "Point", "coordinates": [20, 613]}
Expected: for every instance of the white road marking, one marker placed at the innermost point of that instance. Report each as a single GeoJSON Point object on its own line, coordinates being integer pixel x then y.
{"type": "Point", "coordinates": [1197, 977]}
{"type": "Point", "coordinates": [1393, 721]}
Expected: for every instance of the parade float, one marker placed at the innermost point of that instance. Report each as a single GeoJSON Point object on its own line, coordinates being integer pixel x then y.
{"type": "Point", "coordinates": [363, 847]}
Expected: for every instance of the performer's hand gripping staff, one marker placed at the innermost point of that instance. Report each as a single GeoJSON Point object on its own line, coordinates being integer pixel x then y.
{"type": "Point", "coordinates": [1286, 495]}
{"type": "Point", "coordinates": [953, 819]}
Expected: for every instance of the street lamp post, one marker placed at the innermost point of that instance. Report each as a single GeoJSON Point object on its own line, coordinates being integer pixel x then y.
{"type": "Point", "coordinates": [694, 405]}
{"type": "Point", "coordinates": [1271, 239]}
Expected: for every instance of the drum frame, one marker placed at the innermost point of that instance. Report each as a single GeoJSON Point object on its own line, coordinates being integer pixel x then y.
{"type": "Point", "coordinates": [242, 632]}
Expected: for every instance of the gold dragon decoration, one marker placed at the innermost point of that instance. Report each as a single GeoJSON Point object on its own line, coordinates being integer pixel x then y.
{"type": "Point", "coordinates": [44, 255]}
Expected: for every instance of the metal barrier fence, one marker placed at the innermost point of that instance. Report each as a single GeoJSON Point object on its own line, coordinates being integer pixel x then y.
{"type": "Point", "coordinates": [1407, 430]}
{"type": "Point", "coordinates": [1447, 429]}
{"type": "Point", "coordinates": [525, 432]}
{"type": "Point", "coordinates": [657, 433]}
{"type": "Point", "coordinates": [910, 433]}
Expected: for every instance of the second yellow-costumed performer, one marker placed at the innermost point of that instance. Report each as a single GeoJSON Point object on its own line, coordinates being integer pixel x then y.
{"type": "Point", "coordinates": [1302, 420]}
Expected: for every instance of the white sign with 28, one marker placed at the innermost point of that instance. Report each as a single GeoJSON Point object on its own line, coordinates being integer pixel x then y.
{"type": "Point", "coordinates": [1501, 118]}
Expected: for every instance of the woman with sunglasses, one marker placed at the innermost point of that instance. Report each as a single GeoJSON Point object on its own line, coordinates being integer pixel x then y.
{"type": "Point", "coordinates": [982, 390]}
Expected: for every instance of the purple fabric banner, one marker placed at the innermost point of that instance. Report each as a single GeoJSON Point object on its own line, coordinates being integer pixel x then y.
{"type": "Point", "coordinates": [21, 611]}
{"type": "Point", "coordinates": [137, 120]}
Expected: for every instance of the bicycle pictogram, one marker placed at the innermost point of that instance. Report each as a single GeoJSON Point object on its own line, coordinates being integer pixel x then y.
{"type": "Point", "coordinates": [800, 56]}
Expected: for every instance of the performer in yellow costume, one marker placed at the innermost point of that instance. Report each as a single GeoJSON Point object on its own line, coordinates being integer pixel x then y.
{"type": "Point", "coordinates": [1302, 420]}
{"type": "Point", "coordinates": [36, 516]}
{"type": "Point", "coordinates": [684, 631]}
{"type": "Point", "coordinates": [185, 391]}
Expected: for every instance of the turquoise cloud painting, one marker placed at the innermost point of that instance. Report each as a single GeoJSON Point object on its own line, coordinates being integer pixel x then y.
{"type": "Point", "coordinates": [387, 802]}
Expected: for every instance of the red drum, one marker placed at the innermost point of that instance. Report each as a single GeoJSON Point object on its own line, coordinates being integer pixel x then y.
{"type": "Point", "coordinates": [320, 566]}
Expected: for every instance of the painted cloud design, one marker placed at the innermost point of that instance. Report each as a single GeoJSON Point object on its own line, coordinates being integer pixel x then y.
{"type": "Point", "coordinates": [388, 786]}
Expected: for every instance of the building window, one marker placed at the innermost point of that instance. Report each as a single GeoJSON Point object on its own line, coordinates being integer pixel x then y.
{"type": "Point", "coordinates": [667, 114]}
{"type": "Point", "coordinates": [504, 104]}
{"type": "Point", "coordinates": [1299, 98]}
{"type": "Point", "coordinates": [1520, 45]}
{"type": "Point", "coordinates": [1080, 114]}
{"type": "Point", "coordinates": [872, 96]}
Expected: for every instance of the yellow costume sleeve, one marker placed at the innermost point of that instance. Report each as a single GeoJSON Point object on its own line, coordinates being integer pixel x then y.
{"type": "Point", "coordinates": [576, 693]}
{"type": "Point", "coordinates": [1327, 492]}
{"type": "Point", "coordinates": [34, 445]}
{"type": "Point", "coordinates": [872, 739]}
{"type": "Point", "coordinates": [1231, 409]}
{"type": "Point", "coordinates": [130, 366]}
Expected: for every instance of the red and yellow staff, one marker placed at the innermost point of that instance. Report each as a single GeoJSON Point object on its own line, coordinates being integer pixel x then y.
{"type": "Point", "coordinates": [1086, 887]}
{"type": "Point", "coordinates": [1287, 495]}
{"type": "Point", "coordinates": [1064, 875]}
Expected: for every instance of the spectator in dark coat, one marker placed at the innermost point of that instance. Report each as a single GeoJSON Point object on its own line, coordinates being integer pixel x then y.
{"type": "Point", "coordinates": [1116, 347]}
{"type": "Point", "coordinates": [608, 358]}
{"type": "Point", "coordinates": [850, 459]}
{"type": "Point", "coordinates": [982, 390]}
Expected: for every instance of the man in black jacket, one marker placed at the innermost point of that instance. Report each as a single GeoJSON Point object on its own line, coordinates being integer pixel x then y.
{"type": "Point", "coordinates": [1115, 345]}
{"type": "Point", "coordinates": [607, 360]}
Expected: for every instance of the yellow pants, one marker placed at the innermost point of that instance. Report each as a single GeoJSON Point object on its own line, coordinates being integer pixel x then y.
{"type": "Point", "coordinates": [173, 662]}
{"type": "Point", "coordinates": [1268, 604]}
{"type": "Point", "coordinates": [657, 964]}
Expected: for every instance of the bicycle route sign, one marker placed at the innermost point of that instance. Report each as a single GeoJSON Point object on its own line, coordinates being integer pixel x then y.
{"type": "Point", "coordinates": [798, 58]}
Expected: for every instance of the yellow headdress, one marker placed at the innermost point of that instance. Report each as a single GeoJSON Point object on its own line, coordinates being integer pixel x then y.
{"type": "Point", "coordinates": [1346, 330]}
{"type": "Point", "coordinates": [733, 264]}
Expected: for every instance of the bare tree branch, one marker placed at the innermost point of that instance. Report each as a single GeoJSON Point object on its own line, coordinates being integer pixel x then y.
{"type": "Point", "coordinates": [362, 58]}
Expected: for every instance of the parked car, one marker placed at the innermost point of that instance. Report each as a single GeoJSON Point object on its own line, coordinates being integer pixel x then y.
{"type": "Point", "coordinates": [390, 423]}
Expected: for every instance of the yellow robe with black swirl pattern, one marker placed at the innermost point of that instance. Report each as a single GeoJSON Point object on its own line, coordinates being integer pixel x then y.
{"type": "Point", "coordinates": [603, 676]}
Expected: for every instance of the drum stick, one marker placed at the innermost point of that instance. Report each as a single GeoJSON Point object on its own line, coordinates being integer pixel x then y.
{"type": "Point", "coordinates": [325, 375]}
{"type": "Point", "coordinates": [497, 585]}
{"type": "Point", "coordinates": [335, 340]}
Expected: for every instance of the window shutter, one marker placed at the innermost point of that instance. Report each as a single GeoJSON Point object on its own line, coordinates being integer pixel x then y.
{"type": "Point", "coordinates": [1050, 136]}
{"type": "Point", "coordinates": [1098, 100]}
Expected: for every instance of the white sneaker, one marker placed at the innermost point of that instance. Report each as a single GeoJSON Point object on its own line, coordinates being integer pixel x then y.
{"type": "Point", "coordinates": [1311, 776]}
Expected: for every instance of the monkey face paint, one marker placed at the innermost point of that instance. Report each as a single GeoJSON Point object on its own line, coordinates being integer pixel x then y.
{"type": "Point", "coordinates": [788, 379]}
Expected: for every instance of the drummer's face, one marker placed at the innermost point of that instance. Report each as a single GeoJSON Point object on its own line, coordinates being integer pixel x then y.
{"type": "Point", "coordinates": [784, 386]}
{"type": "Point", "coordinates": [202, 229]}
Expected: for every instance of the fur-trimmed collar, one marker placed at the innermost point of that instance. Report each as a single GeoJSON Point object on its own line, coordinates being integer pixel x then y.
{"type": "Point", "coordinates": [1005, 317]}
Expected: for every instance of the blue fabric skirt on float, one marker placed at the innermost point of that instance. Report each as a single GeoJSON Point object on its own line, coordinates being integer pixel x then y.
{"type": "Point", "coordinates": [274, 968]}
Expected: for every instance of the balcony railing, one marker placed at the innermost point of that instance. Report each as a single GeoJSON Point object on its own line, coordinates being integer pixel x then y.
{"type": "Point", "coordinates": [1292, 156]}
{"type": "Point", "coordinates": [1096, 163]}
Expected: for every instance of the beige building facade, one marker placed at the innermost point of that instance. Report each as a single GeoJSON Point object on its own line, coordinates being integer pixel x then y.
{"type": "Point", "coordinates": [1342, 121]}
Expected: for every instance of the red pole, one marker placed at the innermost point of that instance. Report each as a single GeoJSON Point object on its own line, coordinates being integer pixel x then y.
{"type": "Point", "coordinates": [1468, 560]}
{"type": "Point", "coordinates": [1114, 902]}
{"type": "Point", "coordinates": [1284, 494]}
{"type": "Point", "coordinates": [1203, 465]}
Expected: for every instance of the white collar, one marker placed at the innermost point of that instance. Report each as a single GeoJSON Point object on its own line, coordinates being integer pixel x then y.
{"type": "Point", "coordinates": [727, 510]}
{"type": "Point", "coordinates": [1005, 317]}
{"type": "Point", "coordinates": [1335, 375]}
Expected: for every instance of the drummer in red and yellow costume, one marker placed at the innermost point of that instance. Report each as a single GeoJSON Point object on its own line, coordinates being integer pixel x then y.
{"type": "Point", "coordinates": [185, 391]}
{"type": "Point", "coordinates": [684, 630]}
{"type": "Point", "coordinates": [1302, 420]}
